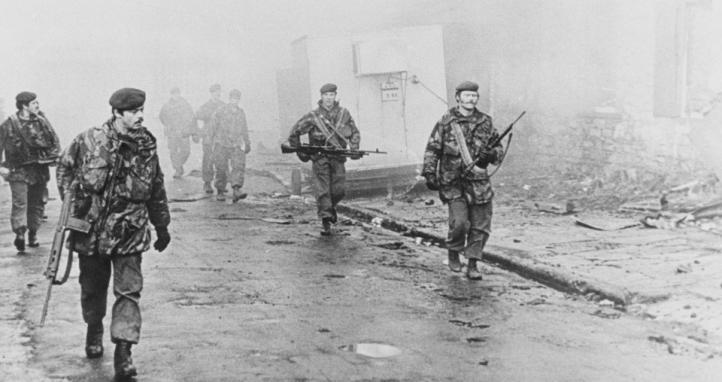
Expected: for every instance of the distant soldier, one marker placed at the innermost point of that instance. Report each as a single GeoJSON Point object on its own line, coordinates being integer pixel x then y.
{"type": "Point", "coordinates": [117, 182]}
{"type": "Point", "coordinates": [31, 146]}
{"type": "Point", "coordinates": [327, 125]}
{"type": "Point", "coordinates": [461, 137]}
{"type": "Point", "coordinates": [229, 134]}
{"type": "Point", "coordinates": [179, 125]}
{"type": "Point", "coordinates": [204, 114]}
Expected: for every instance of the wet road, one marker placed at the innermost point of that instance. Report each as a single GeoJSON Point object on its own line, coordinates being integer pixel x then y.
{"type": "Point", "coordinates": [241, 298]}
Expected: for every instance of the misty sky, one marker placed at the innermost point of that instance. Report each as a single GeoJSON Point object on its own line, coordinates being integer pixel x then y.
{"type": "Point", "coordinates": [74, 54]}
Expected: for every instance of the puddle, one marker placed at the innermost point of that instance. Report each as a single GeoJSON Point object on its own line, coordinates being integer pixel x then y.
{"type": "Point", "coordinates": [372, 350]}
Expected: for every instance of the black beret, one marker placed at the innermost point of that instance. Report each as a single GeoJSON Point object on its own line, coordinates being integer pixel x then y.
{"type": "Point", "coordinates": [215, 88]}
{"type": "Point", "coordinates": [127, 99]}
{"type": "Point", "coordinates": [467, 86]}
{"type": "Point", "coordinates": [25, 97]}
{"type": "Point", "coordinates": [235, 93]}
{"type": "Point", "coordinates": [328, 88]}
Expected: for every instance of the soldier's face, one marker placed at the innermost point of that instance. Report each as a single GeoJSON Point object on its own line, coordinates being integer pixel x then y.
{"type": "Point", "coordinates": [468, 99]}
{"type": "Point", "coordinates": [216, 94]}
{"type": "Point", "coordinates": [328, 99]}
{"type": "Point", "coordinates": [131, 119]}
{"type": "Point", "coordinates": [33, 107]}
{"type": "Point", "coordinates": [234, 100]}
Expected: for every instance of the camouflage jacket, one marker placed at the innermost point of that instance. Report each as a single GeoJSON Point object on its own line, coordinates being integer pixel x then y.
{"type": "Point", "coordinates": [443, 156]}
{"type": "Point", "coordinates": [178, 119]}
{"type": "Point", "coordinates": [338, 119]}
{"type": "Point", "coordinates": [118, 187]}
{"type": "Point", "coordinates": [228, 127]}
{"type": "Point", "coordinates": [205, 113]}
{"type": "Point", "coordinates": [30, 145]}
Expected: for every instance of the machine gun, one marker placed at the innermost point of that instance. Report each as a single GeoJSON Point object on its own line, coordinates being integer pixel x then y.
{"type": "Point", "coordinates": [65, 223]}
{"type": "Point", "coordinates": [498, 139]}
{"type": "Point", "coordinates": [328, 150]}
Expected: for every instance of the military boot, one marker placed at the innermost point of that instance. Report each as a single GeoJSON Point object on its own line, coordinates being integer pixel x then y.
{"type": "Point", "coordinates": [20, 242]}
{"type": "Point", "coordinates": [238, 194]}
{"type": "Point", "coordinates": [454, 262]}
{"type": "Point", "coordinates": [33, 239]}
{"type": "Point", "coordinates": [326, 226]}
{"type": "Point", "coordinates": [221, 197]}
{"type": "Point", "coordinates": [94, 340]}
{"type": "Point", "coordinates": [471, 271]}
{"type": "Point", "coordinates": [123, 363]}
{"type": "Point", "coordinates": [207, 188]}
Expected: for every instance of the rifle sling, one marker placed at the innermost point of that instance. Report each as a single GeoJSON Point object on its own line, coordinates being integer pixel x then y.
{"type": "Point", "coordinates": [466, 158]}
{"type": "Point", "coordinates": [328, 131]}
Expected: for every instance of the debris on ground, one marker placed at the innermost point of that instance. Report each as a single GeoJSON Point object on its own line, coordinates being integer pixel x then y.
{"type": "Point", "coordinates": [239, 217]}
{"type": "Point", "coordinates": [396, 245]}
{"type": "Point", "coordinates": [555, 208]}
{"type": "Point", "coordinates": [605, 223]}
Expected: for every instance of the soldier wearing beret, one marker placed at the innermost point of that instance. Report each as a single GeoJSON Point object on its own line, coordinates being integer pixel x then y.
{"type": "Point", "coordinates": [113, 172]}
{"type": "Point", "coordinates": [327, 125]}
{"type": "Point", "coordinates": [204, 114]}
{"type": "Point", "coordinates": [30, 146]}
{"type": "Point", "coordinates": [179, 125]}
{"type": "Point", "coordinates": [460, 138]}
{"type": "Point", "coordinates": [229, 133]}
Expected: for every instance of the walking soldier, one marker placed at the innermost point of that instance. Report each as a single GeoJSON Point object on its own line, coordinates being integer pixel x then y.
{"type": "Point", "coordinates": [117, 183]}
{"type": "Point", "coordinates": [455, 162]}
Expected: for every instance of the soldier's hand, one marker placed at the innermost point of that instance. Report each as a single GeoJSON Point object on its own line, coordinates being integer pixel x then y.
{"type": "Point", "coordinates": [195, 138]}
{"type": "Point", "coordinates": [356, 156]}
{"type": "Point", "coordinates": [4, 172]}
{"type": "Point", "coordinates": [432, 183]}
{"type": "Point", "coordinates": [247, 149]}
{"type": "Point", "coordinates": [485, 157]}
{"type": "Point", "coordinates": [303, 156]}
{"type": "Point", "coordinates": [162, 240]}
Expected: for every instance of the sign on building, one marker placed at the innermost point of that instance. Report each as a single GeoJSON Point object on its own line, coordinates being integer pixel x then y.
{"type": "Point", "coordinates": [390, 91]}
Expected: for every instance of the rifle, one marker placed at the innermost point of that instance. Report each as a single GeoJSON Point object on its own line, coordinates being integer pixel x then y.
{"type": "Point", "coordinates": [498, 139]}
{"type": "Point", "coordinates": [65, 223]}
{"type": "Point", "coordinates": [329, 150]}
{"type": "Point", "coordinates": [507, 131]}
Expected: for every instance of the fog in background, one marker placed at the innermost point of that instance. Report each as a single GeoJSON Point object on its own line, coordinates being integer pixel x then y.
{"type": "Point", "coordinates": [74, 54]}
{"type": "Point", "coordinates": [549, 57]}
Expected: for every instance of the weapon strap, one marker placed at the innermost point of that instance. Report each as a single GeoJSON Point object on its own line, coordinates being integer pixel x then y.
{"type": "Point", "coordinates": [329, 132]}
{"type": "Point", "coordinates": [464, 149]}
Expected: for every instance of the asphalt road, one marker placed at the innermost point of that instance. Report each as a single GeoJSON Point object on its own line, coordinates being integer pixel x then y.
{"type": "Point", "coordinates": [239, 298]}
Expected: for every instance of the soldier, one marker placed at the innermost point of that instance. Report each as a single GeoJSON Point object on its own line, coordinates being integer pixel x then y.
{"type": "Point", "coordinates": [327, 125]}
{"type": "Point", "coordinates": [117, 182]}
{"type": "Point", "coordinates": [31, 146]}
{"type": "Point", "coordinates": [229, 134]}
{"type": "Point", "coordinates": [204, 114]}
{"type": "Point", "coordinates": [462, 136]}
{"type": "Point", "coordinates": [180, 124]}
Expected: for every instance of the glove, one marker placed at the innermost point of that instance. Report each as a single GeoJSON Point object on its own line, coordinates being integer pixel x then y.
{"type": "Point", "coordinates": [356, 156]}
{"type": "Point", "coordinates": [247, 149]}
{"type": "Point", "coordinates": [485, 157]}
{"type": "Point", "coordinates": [4, 172]}
{"type": "Point", "coordinates": [303, 156]}
{"type": "Point", "coordinates": [432, 183]}
{"type": "Point", "coordinates": [162, 240]}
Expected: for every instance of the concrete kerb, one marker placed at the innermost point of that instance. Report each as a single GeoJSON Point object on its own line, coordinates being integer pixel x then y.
{"type": "Point", "coordinates": [514, 260]}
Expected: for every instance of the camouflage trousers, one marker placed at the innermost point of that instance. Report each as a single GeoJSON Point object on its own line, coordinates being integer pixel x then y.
{"type": "Point", "coordinates": [95, 271]}
{"type": "Point", "coordinates": [236, 157]}
{"type": "Point", "coordinates": [469, 227]}
{"type": "Point", "coordinates": [329, 183]}
{"type": "Point", "coordinates": [207, 163]}
{"type": "Point", "coordinates": [28, 206]}
{"type": "Point", "coordinates": [180, 150]}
